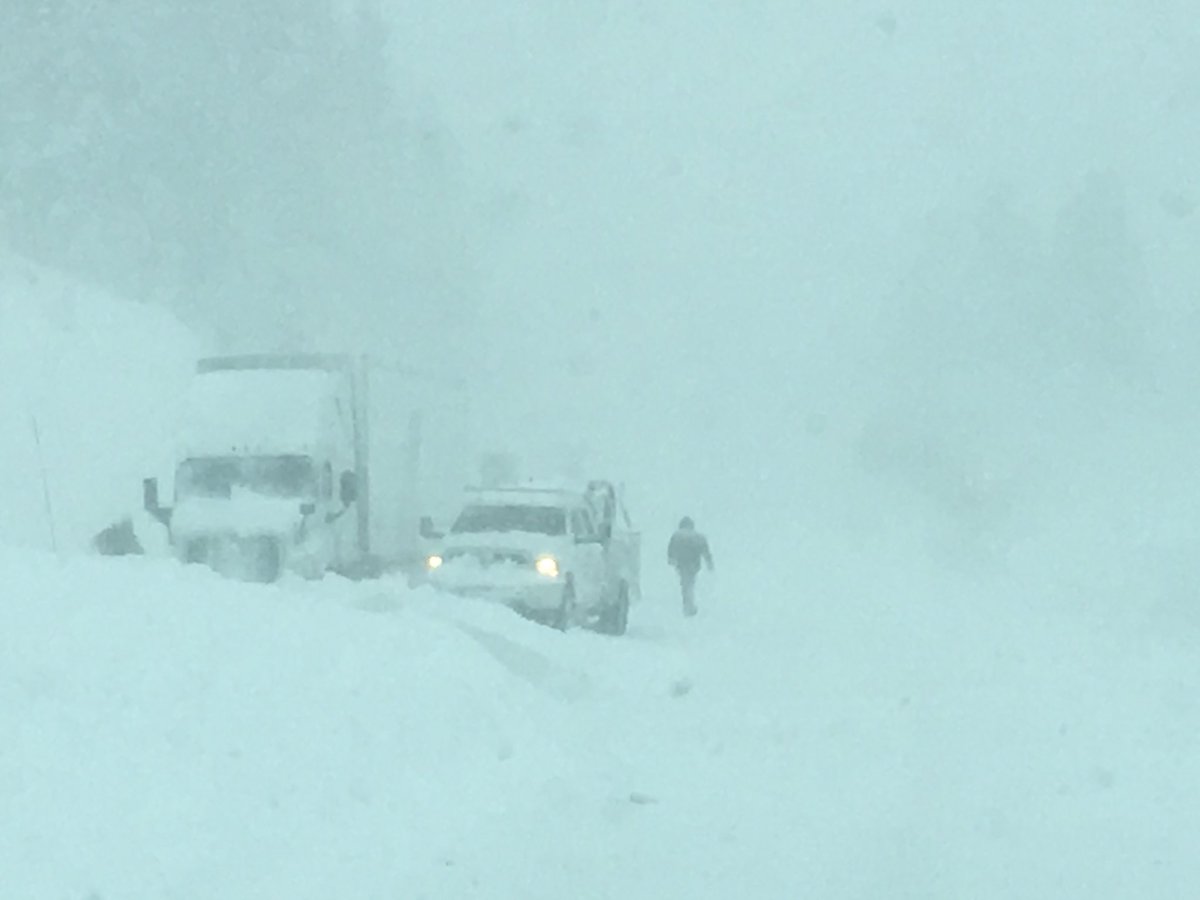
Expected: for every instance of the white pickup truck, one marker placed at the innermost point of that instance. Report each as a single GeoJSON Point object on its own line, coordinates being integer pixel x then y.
{"type": "Point", "coordinates": [559, 556]}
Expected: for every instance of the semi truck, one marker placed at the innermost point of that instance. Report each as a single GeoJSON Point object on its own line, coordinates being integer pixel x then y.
{"type": "Point", "coordinates": [311, 463]}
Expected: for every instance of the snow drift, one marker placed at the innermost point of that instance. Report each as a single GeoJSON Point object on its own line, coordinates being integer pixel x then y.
{"type": "Point", "coordinates": [168, 733]}
{"type": "Point", "coordinates": [90, 384]}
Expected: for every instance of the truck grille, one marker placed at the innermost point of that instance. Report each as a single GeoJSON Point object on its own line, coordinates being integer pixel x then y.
{"type": "Point", "coordinates": [490, 557]}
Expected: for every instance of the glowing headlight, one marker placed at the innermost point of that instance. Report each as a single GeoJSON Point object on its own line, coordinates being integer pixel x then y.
{"type": "Point", "coordinates": [547, 566]}
{"type": "Point", "coordinates": [434, 562]}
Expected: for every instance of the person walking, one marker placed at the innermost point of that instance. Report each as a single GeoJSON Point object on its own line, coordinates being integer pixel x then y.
{"type": "Point", "coordinates": [686, 551]}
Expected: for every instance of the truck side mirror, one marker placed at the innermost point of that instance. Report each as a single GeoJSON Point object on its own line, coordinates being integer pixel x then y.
{"type": "Point", "coordinates": [429, 530]}
{"type": "Point", "coordinates": [307, 508]}
{"type": "Point", "coordinates": [150, 501]}
{"type": "Point", "coordinates": [348, 488]}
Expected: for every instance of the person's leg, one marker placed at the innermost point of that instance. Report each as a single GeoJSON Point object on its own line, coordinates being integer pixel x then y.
{"type": "Point", "coordinates": [687, 581]}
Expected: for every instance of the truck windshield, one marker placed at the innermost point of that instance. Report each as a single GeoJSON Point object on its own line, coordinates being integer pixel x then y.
{"type": "Point", "coordinates": [532, 519]}
{"type": "Point", "coordinates": [271, 476]}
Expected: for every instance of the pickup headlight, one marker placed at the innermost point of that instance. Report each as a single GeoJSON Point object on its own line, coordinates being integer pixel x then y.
{"type": "Point", "coordinates": [547, 566]}
{"type": "Point", "coordinates": [433, 562]}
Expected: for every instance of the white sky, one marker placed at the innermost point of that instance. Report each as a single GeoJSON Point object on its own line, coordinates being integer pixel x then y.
{"type": "Point", "coordinates": [736, 188]}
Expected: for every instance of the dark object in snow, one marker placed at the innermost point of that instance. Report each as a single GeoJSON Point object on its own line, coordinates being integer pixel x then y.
{"type": "Point", "coordinates": [887, 23]}
{"type": "Point", "coordinates": [642, 799]}
{"type": "Point", "coordinates": [118, 539]}
{"type": "Point", "coordinates": [681, 688]}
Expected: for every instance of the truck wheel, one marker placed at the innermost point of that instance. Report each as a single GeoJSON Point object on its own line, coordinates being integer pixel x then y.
{"type": "Point", "coordinates": [566, 609]}
{"type": "Point", "coordinates": [268, 561]}
{"type": "Point", "coordinates": [615, 617]}
{"type": "Point", "coordinates": [622, 622]}
{"type": "Point", "coordinates": [312, 569]}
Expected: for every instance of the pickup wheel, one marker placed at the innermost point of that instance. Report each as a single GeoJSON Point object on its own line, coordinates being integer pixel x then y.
{"type": "Point", "coordinates": [565, 615]}
{"type": "Point", "coordinates": [615, 617]}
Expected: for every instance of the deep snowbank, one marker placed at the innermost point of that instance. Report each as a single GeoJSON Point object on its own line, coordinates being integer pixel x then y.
{"type": "Point", "coordinates": [171, 734]}
{"type": "Point", "coordinates": [97, 380]}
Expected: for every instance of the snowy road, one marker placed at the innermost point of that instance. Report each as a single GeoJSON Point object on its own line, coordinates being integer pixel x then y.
{"type": "Point", "coordinates": [168, 734]}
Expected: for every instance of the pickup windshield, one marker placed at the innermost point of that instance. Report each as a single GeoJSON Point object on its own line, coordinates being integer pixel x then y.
{"type": "Point", "coordinates": [532, 519]}
{"type": "Point", "coordinates": [270, 476]}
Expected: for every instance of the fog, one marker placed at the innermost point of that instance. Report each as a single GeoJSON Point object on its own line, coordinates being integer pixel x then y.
{"type": "Point", "coordinates": [721, 250]}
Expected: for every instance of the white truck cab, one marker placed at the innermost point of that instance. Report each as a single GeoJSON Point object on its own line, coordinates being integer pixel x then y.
{"type": "Point", "coordinates": [560, 556]}
{"type": "Point", "coordinates": [267, 468]}
{"type": "Point", "coordinates": [309, 463]}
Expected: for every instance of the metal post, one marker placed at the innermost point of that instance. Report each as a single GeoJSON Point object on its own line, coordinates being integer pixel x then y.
{"type": "Point", "coordinates": [37, 440]}
{"type": "Point", "coordinates": [362, 451]}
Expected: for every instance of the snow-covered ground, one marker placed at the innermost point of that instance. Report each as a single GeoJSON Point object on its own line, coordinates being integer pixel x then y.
{"type": "Point", "coordinates": [169, 734]}
{"type": "Point", "coordinates": [848, 717]}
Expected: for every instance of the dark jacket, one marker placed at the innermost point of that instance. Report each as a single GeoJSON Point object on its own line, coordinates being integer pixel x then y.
{"type": "Point", "coordinates": [118, 539]}
{"type": "Point", "coordinates": [687, 549]}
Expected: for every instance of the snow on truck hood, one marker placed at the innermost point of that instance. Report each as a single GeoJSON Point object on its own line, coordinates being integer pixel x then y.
{"type": "Point", "coordinates": [245, 513]}
{"type": "Point", "coordinates": [462, 568]}
{"type": "Point", "coordinates": [527, 542]}
{"type": "Point", "coordinates": [468, 572]}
